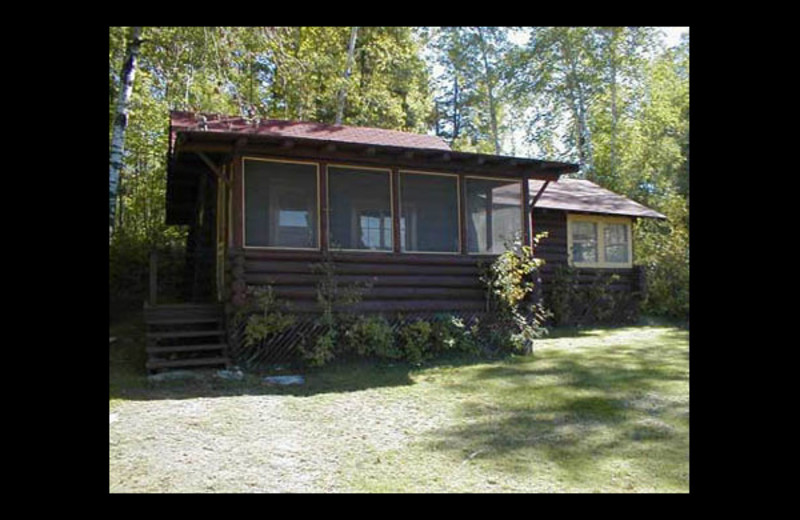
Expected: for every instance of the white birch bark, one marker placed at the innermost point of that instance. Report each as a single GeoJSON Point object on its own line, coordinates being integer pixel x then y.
{"type": "Point", "coordinates": [343, 92]}
{"type": "Point", "coordinates": [121, 120]}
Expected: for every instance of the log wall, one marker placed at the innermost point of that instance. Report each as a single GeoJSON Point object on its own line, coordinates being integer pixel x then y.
{"type": "Point", "coordinates": [389, 283]}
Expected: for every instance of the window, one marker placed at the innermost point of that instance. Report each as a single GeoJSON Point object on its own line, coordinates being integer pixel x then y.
{"type": "Point", "coordinates": [280, 204]}
{"type": "Point", "coordinates": [494, 214]}
{"type": "Point", "coordinates": [360, 208]}
{"type": "Point", "coordinates": [429, 213]}
{"type": "Point", "coordinates": [599, 241]}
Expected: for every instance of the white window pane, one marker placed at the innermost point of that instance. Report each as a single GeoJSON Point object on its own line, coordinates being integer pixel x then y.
{"type": "Point", "coordinates": [616, 243]}
{"type": "Point", "coordinates": [584, 242]}
{"type": "Point", "coordinates": [617, 254]}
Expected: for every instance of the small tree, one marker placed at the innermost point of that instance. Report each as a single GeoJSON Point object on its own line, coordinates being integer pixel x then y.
{"type": "Point", "coordinates": [510, 282]}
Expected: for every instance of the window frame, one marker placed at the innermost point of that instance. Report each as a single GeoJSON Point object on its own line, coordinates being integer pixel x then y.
{"type": "Point", "coordinates": [521, 202]}
{"type": "Point", "coordinates": [328, 167]}
{"type": "Point", "coordinates": [600, 221]}
{"type": "Point", "coordinates": [409, 221]}
{"type": "Point", "coordinates": [244, 205]}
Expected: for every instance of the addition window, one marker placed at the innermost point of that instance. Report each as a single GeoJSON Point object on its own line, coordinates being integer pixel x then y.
{"type": "Point", "coordinates": [280, 204]}
{"type": "Point", "coordinates": [596, 241]}
{"type": "Point", "coordinates": [360, 208]}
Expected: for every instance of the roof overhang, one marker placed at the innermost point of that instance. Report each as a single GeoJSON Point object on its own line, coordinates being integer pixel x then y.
{"type": "Point", "coordinates": [236, 143]}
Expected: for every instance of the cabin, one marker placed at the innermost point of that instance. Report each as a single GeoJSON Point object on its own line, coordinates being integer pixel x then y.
{"type": "Point", "coordinates": [403, 214]}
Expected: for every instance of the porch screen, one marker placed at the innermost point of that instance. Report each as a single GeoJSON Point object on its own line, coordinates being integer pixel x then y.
{"type": "Point", "coordinates": [280, 204]}
{"type": "Point", "coordinates": [429, 213]}
{"type": "Point", "coordinates": [494, 214]}
{"type": "Point", "coordinates": [360, 209]}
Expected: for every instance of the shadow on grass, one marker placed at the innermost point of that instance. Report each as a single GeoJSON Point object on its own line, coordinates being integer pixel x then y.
{"type": "Point", "coordinates": [580, 411]}
{"type": "Point", "coordinates": [128, 380]}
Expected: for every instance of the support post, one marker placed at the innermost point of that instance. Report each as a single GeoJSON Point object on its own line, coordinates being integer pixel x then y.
{"type": "Point", "coordinates": [153, 277]}
{"type": "Point", "coordinates": [527, 237]}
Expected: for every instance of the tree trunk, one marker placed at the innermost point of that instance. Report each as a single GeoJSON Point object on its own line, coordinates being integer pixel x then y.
{"type": "Point", "coordinates": [456, 119]}
{"type": "Point", "coordinates": [343, 92]}
{"type": "Point", "coordinates": [490, 91]}
{"type": "Point", "coordinates": [121, 121]}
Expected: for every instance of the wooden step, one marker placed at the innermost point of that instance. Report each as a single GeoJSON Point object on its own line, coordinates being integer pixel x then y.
{"type": "Point", "coordinates": [186, 348]}
{"type": "Point", "coordinates": [183, 321]}
{"type": "Point", "coordinates": [176, 363]}
{"type": "Point", "coordinates": [184, 334]}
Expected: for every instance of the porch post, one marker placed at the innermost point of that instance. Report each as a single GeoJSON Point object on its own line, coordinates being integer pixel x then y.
{"type": "Point", "coordinates": [527, 239]}
{"type": "Point", "coordinates": [153, 277]}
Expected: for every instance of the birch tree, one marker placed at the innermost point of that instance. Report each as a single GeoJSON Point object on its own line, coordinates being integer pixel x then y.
{"type": "Point", "coordinates": [121, 120]}
{"type": "Point", "coordinates": [343, 92]}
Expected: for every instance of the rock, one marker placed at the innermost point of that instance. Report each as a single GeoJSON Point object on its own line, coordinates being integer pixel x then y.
{"type": "Point", "coordinates": [235, 374]}
{"type": "Point", "coordinates": [112, 418]}
{"type": "Point", "coordinates": [174, 375]}
{"type": "Point", "coordinates": [284, 380]}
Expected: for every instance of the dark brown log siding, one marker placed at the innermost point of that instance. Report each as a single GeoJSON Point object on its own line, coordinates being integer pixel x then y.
{"type": "Point", "coordinates": [553, 250]}
{"type": "Point", "coordinates": [399, 283]}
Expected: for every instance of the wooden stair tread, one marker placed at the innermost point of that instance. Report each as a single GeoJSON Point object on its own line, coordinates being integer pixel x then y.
{"type": "Point", "coordinates": [181, 321]}
{"type": "Point", "coordinates": [186, 348]}
{"type": "Point", "coordinates": [184, 334]}
{"type": "Point", "coordinates": [163, 363]}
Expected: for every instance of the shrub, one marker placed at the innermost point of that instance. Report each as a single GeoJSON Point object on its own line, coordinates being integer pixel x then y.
{"type": "Point", "coordinates": [571, 303]}
{"type": "Point", "coordinates": [260, 318]}
{"type": "Point", "coordinates": [372, 336]}
{"type": "Point", "coordinates": [450, 334]}
{"type": "Point", "coordinates": [415, 341]}
{"type": "Point", "coordinates": [510, 281]}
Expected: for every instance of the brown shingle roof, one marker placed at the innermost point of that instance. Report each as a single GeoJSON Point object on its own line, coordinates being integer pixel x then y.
{"type": "Point", "coordinates": [586, 196]}
{"type": "Point", "coordinates": [192, 121]}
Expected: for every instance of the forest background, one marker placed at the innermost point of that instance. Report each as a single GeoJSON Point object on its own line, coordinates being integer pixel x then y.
{"type": "Point", "coordinates": [615, 100]}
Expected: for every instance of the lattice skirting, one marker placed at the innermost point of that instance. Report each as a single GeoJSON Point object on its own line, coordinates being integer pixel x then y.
{"type": "Point", "coordinates": [285, 346]}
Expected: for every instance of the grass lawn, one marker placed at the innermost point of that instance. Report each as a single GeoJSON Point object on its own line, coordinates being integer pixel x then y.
{"type": "Point", "coordinates": [603, 410]}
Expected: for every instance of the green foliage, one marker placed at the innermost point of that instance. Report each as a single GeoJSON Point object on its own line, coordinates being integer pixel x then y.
{"type": "Point", "coordinates": [663, 249]}
{"type": "Point", "coordinates": [262, 316]}
{"type": "Point", "coordinates": [129, 269]}
{"type": "Point", "coordinates": [451, 334]}
{"type": "Point", "coordinates": [372, 336]}
{"type": "Point", "coordinates": [333, 300]}
{"type": "Point", "coordinates": [322, 350]}
{"type": "Point", "coordinates": [415, 341]}
{"type": "Point", "coordinates": [572, 303]}
{"type": "Point", "coordinates": [509, 281]}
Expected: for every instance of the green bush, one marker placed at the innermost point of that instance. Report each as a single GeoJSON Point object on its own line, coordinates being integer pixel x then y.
{"type": "Point", "coordinates": [415, 341]}
{"type": "Point", "coordinates": [371, 336]}
{"type": "Point", "coordinates": [259, 319]}
{"type": "Point", "coordinates": [514, 321]}
{"type": "Point", "coordinates": [662, 247]}
{"type": "Point", "coordinates": [129, 269]}
{"type": "Point", "coordinates": [450, 334]}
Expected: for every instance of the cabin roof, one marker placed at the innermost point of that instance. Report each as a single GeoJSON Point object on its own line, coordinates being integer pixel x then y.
{"type": "Point", "coordinates": [585, 196]}
{"type": "Point", "coordinates": [191, 131]}
{"type": "Point", "coordinates": [192, 121]}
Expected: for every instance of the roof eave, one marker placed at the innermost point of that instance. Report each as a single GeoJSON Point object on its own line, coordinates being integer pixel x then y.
{"type": "Point", "coordinates": [230, 142]}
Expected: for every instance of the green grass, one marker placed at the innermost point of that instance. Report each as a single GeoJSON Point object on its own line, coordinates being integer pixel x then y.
{"type": "Point", "coordinates": [603, 410]}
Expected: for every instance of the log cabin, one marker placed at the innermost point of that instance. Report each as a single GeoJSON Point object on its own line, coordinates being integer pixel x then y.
{"type": "Point", "coordinates": [266, 200]}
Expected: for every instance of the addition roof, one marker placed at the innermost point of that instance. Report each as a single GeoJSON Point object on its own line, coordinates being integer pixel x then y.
{"type": "Point", "coordinates": [584, 196]}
